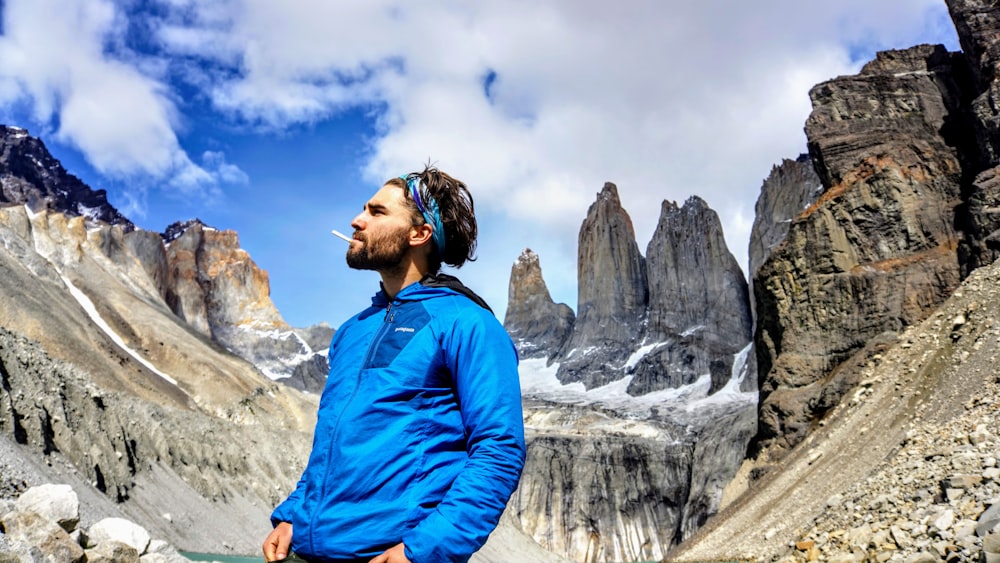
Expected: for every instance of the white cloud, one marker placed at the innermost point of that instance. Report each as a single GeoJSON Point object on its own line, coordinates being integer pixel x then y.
{"type": "Point", "coordinates": [666, 99]}
{"type": "Point", "coordinates": [66, 58]}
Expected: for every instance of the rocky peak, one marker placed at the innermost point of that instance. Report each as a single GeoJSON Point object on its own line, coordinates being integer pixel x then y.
{"type": "Point", "coordinates": [694, 281]}
{"type": "Point", "coordinates": [612, 295]}
{"type": "Point", "coordinates": [178, 228]}
{"type": "Point", "coordinates": [538, 326]}
{"type": "Point", "coordinates": [699, 305]}
{"type": "Point", "coordinates": [30, 175]}
{"type": "Point", "coordinates": [790, 188]}
{"type": "Point", "coordinates": [215, 285]}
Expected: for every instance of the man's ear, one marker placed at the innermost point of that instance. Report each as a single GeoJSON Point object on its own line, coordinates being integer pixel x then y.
{"type": "Point", "coordinates": [421, 235]}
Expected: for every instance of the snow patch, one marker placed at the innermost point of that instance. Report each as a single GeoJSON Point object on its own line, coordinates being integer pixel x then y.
{"type": "Point", "coordinates": [91, 310]}
{"type": "Point", "coordinates": [691, 401]}
{"type": "Point", "coordinates": [692, 330]}
{"type": "Point", "coordinates": [731, 393]}
{"type": "Point", "coordinates": [641, 353]}
{"type": "Point", "coordinates": [92, 213]}
{"type": "Point", "coordinates": [539, 381]}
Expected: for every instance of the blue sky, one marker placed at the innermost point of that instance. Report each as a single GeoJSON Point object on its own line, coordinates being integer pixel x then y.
{"type": "Point", "coordinates": [279, 119]}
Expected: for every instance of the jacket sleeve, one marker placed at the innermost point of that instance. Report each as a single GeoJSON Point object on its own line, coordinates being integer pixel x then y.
{"type": "Point", "coordinates": [283, 512]}
{"type": "Point", "coordinates": [483, 363]}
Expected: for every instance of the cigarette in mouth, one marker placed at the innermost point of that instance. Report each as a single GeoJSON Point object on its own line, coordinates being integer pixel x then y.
{"type": "Point", "coordinates": [339, 234]}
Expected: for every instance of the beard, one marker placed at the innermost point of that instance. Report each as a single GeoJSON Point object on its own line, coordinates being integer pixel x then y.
{"type": "Point", "coordinates": [379, 252]}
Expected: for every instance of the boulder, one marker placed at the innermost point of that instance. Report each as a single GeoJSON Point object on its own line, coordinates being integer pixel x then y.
{"type": "Point", "coordinates": [41, 533]}
{"type": "Point", "coordinates": [112, 552]}
{"type": "Point", "coordinates": [119, 530]}
{"type": "Point", "coordinates": [58, 503]}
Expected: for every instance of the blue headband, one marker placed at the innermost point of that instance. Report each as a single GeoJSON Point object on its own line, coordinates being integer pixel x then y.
{"type": "Point", "coordinates": [431, 213]}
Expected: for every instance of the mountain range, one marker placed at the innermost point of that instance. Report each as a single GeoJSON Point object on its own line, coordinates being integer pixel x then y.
{"type": "Point", "coordinates": [682, 410]}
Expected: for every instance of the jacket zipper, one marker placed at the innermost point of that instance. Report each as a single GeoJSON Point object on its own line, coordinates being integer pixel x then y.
{"type": "Point", "coordinates": [379, 335]}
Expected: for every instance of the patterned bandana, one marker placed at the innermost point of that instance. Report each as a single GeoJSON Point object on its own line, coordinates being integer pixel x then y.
{"type": "Point", "coordinates": [431, 212]}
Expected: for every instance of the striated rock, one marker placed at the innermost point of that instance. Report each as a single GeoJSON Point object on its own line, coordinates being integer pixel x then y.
{"type": "Point", "coordinates": [790, 188]}
{"type": "Point", "coordinates": [55, 502]}
{"type": "Point", "coordinates": [538, 326]}
{"type": "Point", "coordinates": [978, 27]}
{"type": "Point", "coordinates": [876, 251]}
{"type": "Point", "coordinates": [599, 489]}
{"type": "Point", "coordinates": [29, 175]}
{"type": "Point", "coordinates": [612, 298]}
{"type": "Point", "coordinates": [699, 307]}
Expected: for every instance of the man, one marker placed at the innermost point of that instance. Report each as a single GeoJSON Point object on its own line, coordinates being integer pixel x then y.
{"type": "Point", "coordinates": [419, 441]}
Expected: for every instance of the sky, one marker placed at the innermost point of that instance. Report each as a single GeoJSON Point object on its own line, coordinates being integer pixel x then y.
{"type": "Point", "coordinates": [279, 119]}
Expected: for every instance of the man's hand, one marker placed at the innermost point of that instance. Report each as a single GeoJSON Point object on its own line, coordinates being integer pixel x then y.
{"type": "Point", "coordinates": [392, 555]}
{"type": "Point", "coordinates": [278, 541]}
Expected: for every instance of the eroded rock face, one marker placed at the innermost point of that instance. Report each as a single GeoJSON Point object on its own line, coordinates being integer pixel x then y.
{"type": "Point", "coordinates": [597, 489]}
{"type": "Point", "coordinates": [538, 326]}
{"type": "Point", "coordinates": [30, 175]}
{"type": "Point", "coordinates": [611, 277]}
{"type": "Point", "coordinates": [876, 251]}
{"type": "Point", "coordinates": [216, 287]}
{"type": "Point", "coordinates": [111, 437]}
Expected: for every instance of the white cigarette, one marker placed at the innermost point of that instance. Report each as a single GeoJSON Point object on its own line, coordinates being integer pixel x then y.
{"type": "Point", "coordinates": [339, 234]}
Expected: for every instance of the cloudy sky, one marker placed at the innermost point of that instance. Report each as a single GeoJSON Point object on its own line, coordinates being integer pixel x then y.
{"type": "Point", "coordinates": [279, 119]}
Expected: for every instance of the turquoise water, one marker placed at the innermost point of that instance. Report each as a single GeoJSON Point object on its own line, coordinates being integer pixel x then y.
{"type": "Point", "coordinates": [222, 558]}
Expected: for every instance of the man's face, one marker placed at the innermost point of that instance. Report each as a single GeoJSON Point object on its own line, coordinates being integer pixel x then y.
{"type": "Point", "coordinates": [381, 232]}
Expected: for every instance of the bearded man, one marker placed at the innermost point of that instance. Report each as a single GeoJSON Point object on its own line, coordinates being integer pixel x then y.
{"type": "Point", "coordinates": [419, 440]}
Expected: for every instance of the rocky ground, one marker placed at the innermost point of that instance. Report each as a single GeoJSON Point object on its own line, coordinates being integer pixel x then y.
{"type": "Point", "coordinates": [903, 470]}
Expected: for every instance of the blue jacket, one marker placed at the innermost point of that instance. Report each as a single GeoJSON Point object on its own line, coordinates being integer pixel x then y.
{"type": "Point", "coordinates": [419, 437]}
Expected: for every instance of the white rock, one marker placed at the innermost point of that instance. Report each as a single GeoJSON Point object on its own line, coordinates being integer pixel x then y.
{"type": "Point", "coordinates": [119, 529]}
{"type": "Point", "coordinates": [945, 520]}
{"type": "Point", "coordinates": [58, 503]}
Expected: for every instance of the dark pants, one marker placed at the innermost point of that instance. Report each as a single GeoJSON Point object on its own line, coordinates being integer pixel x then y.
{"type": "Point", "coordinates": [296, 558]}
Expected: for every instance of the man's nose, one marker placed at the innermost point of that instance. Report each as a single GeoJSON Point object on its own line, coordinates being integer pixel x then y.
{"type": "Point", "coordinates": [358, 223]}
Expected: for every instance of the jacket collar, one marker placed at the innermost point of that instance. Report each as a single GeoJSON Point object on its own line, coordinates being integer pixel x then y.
{"type": "Point", "coordinates": [429, 287]}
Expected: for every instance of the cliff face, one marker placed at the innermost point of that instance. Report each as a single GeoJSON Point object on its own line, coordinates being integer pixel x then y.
{"type": "Point", "coordinates": [216, 287]}
{"type": "Point", "coordinates": [876, 251]}
{"type": "Point", "coordinates": [611, 277]}
{"type": "Point", "coordinates": [977, 24]}
{"type": "Point", "coordinates": [907, 154]}
{"type": "Point", "coordinates": [538, 326]}
{"type": "Point", "coordinates": [599, 488]}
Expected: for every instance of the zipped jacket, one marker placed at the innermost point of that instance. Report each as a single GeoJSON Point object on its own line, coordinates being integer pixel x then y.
{"type": "Point", "coordinates": [419, 437]}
